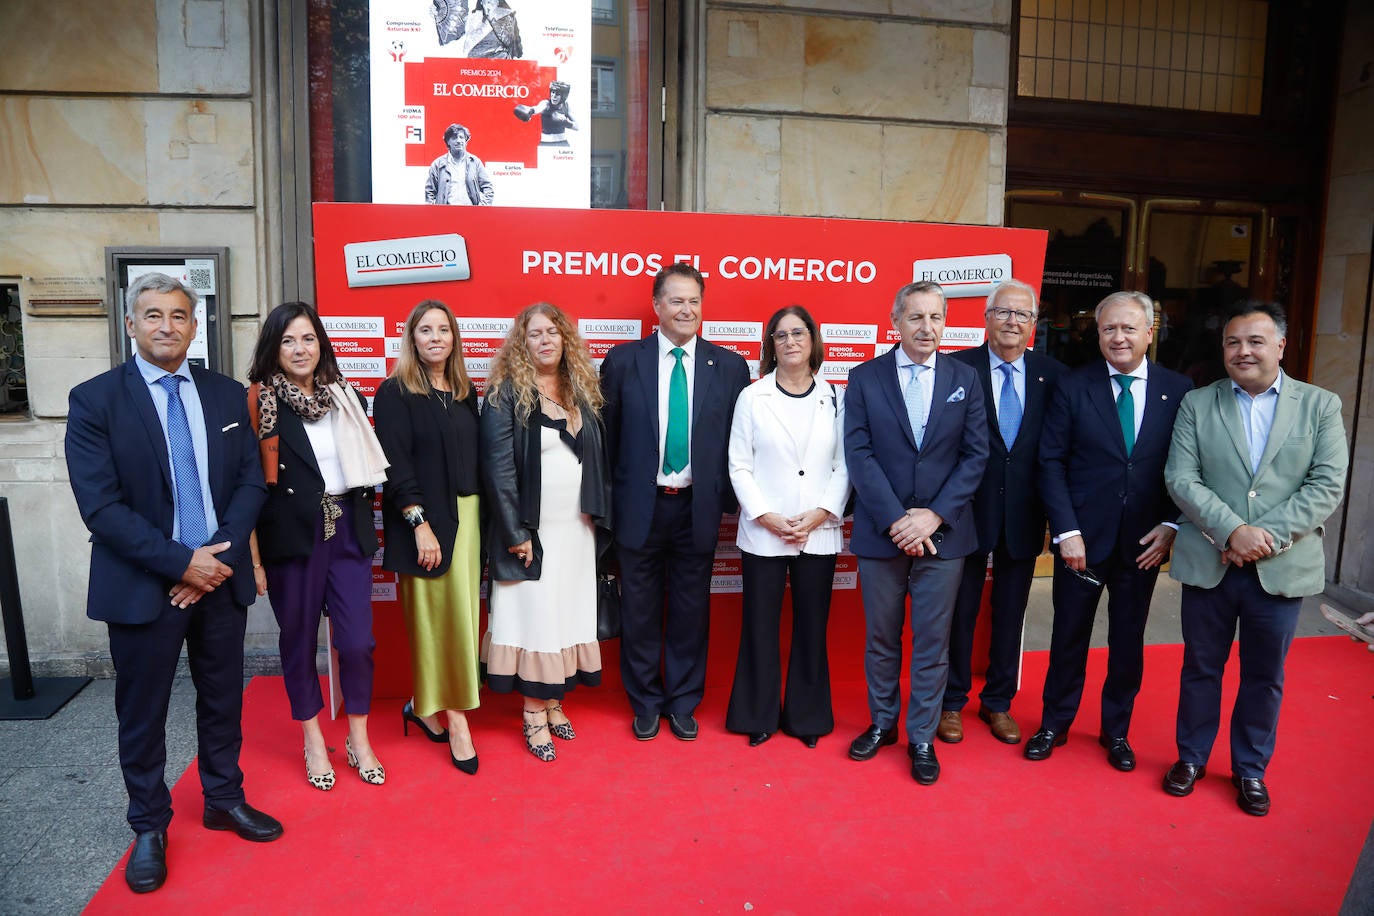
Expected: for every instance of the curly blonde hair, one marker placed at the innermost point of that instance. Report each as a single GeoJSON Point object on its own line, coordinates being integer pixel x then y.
{"type": "Point", "coordinates": [513, 369]}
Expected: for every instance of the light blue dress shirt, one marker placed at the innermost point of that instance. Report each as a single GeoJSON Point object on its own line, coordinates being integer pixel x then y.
{"type": "Point", "coordinates": [1257, 417]}
{"type": "Point", "coordinates": [195, 418]}
{"type": "Point", "coordinates": [1018, 378]}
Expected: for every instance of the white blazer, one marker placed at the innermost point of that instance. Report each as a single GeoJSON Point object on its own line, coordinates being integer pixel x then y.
{"type": "Point", "coordinates": [771, 474]}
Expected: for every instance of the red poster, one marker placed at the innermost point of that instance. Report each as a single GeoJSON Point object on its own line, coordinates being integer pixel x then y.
{"type": "Point", "coordinates": [374, 262]}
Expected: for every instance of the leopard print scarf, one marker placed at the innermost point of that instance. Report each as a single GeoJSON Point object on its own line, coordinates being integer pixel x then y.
{"type": "Point", "coordinates": [279, 388]}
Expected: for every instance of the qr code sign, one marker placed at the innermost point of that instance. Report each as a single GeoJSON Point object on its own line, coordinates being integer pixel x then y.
{"type": "Point", "coordinates": [200, 275]}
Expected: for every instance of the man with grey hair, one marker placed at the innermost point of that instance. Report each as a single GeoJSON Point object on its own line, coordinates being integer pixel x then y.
{"type": "Point", "coordinates": [165, 470]}
{"type": "Point", "coordinates": [1102, 454]}
{"type": "Point", "coordinates": [1017, 386]}
{"type": "Point", "coordinates": [915, 441]}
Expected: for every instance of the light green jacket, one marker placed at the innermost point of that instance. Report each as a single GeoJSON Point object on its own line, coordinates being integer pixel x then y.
{"type": "Point", "coordinates": [1298, 485]}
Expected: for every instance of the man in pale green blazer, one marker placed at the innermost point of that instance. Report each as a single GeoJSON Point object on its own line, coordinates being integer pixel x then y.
{"type": "Point", "coordinates": [1257, 465]}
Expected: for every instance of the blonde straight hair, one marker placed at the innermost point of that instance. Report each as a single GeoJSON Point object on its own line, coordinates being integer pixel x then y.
{"type": "Point", "coordinates": [410, 369]}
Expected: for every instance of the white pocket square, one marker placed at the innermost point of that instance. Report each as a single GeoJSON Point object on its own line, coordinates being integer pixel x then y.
{"type": "Point", "coordinates": [957, 396]}
{"type": "Point", "coordinates": [233, 425]}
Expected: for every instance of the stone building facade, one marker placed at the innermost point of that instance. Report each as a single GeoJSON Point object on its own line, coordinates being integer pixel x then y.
{"type": "Point", "coordinates": [159, 122]}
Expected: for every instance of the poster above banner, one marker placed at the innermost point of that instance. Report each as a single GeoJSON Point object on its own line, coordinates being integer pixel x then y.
{"type": "Point", "coordinates": [516, 77]}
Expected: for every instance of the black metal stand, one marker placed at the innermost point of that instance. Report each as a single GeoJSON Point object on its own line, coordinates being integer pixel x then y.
{"type": "Point", "coordinates": [24, 698]}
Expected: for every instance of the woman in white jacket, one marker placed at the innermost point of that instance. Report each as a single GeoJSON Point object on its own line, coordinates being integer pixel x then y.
{"type": "Point", "coordinates": [787, 468]}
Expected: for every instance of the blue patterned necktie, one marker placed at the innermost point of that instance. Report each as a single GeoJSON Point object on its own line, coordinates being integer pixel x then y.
{"type": "Point", "coordinates": [1009, 411]}
{"type": "Point", "coordinates": [916, 404]}
{"type": "Point", "coordinates": [1125, 410]}
{"type": "Point", "coordinates": [190, 507]}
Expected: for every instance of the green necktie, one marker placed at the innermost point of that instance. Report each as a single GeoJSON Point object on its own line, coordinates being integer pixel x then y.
{"type": "Point", "coordinates": [1125, 410]}
{"type": "Point", "coordinates": [675, 447]}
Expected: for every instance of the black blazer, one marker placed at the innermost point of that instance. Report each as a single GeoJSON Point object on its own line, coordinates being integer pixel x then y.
{"type": "Point", "coordinates": [511, 479]}
{"type": "Point", "coordinates": [122, 480]}
{"type": "Point", "coordinates": [629, 379]}
{"type": "Point", "coordinates": [1087, 480]}
{"type": "Point", "coordinates": [1007, 507]}
{"type": "Point", "coordinates": [427, 463]}
{"type": "Point", "coordinates": [286, 527]}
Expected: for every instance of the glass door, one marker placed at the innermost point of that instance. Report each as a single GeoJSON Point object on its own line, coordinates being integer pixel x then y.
{"type": "Point", "coordinates": [1194, 258]}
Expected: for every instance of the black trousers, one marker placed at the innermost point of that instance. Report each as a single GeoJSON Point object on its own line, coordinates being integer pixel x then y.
{"type": "Point", "coordinates": [145, 659]}
{"type": "Point", "coordinates": [665, 613]}
{"type": "Point", "coordinates": [1129, 590]}
{"type": "Point", "coordinates": [757, 701]}
{"type": "Point", "coordinates": [1267, 625]}
{"type": "Point", "coordinates": [1011, 585]}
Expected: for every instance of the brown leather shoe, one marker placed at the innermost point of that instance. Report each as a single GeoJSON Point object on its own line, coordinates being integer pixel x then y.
{"type": "Point", "coordinates": [951, 727]}
{"type": "Point", "coordinates": [1003, 726]}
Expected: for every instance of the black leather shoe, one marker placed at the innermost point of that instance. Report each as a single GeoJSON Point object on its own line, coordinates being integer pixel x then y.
{"type": "Point", "coordinates": [1119, 753]}
{"type": "Point", "coordinates": [245, 820]}
{"type": "Point", "coordinates": [925, 769]}
{"type": "Point", "coordinates": [1181, 777]}
{"type": "Point", "coordinates": [147, 867]}
{"type": "Point", "coordinates": [683, 726]}
{"type": "Point", "coordinates": [1253, 795]}
{"type": "Point", "coordinates": [866, 745]}
{"type": "Point", "coordinates": [809, 740]}
{"type": "Point", "coordinates": [758, 738]}
{"type": "Point", "coordinates": [1043, 743]}
{"type": "Point", "coordinates": [646, 727]}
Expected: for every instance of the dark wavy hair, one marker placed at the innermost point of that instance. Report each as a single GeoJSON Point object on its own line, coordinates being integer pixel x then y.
{"type": "Point", "coordinates": [267, 353]}
{"type": "Point", "coordinates": [768, 355]}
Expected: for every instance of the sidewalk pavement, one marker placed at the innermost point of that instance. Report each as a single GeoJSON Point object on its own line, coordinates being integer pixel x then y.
{"type": "Point", "coordinates": [62, 797]}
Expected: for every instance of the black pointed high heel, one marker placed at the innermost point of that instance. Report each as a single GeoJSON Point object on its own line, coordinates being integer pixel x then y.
{"type": "Point", "coordinates": [408, 716]}
{"type": "Point", "coordinates": [468, 766]}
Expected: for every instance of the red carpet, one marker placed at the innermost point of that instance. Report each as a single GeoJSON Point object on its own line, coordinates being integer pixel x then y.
{"type": "Point", "coordinates": [715, 826]}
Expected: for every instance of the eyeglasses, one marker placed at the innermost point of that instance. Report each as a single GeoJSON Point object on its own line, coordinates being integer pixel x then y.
{"type": "Point", "coordinates": [797, 334]}
{"type": "Point", "coordinates": [1021, 317]}
{"type": "Point", "coordinates": [1086, 574]}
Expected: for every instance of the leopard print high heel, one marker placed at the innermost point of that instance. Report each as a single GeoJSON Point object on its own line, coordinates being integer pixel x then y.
{"type": "Point", "coordinates": [546, 751]}
{"type": "Point", "coordinates": [324, 782]}
{"type": "Point", "coordinates": [563, 731]}
{"type": "Point", "coordinates": [373, 776]}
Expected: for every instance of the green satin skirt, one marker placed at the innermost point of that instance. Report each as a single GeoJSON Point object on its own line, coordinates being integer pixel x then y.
{"type": "Point", "coordinates": [443, 616]}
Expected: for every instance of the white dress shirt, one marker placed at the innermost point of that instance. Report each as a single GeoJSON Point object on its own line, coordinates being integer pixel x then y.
{"type": "Point", "coordinates": [666, 362]}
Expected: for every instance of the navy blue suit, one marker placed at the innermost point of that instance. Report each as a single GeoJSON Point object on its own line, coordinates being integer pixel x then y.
{"type": "Point", "coordinates": [122, 480]}
{"type": "Point", "coordinates": [1010, 517]}
{"type": "Point", "coordinates": [666, 542]}
{"type": "Point", "coordinates": [1090, 484]}
{"type": "Point", "coordinates": [890, 475]}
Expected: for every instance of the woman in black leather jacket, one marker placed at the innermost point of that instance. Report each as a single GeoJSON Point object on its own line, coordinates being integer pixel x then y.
{"type": "Point", "coordinates": [547, 485]}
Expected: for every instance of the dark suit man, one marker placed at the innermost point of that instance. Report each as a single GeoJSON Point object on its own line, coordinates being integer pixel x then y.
{"type": "Point", "coordinates": [915, 440]}
{"type": "Point", "coordinates": [1017, 385]}
{"type": "Point", "coordinates": [164, 466]}
{"type": "Point", "coordinates": [670, 399]}
{"type": "Point", "coordinates": [1102, 456]}
{"type": "Point", "coordinates": [1258, 464]}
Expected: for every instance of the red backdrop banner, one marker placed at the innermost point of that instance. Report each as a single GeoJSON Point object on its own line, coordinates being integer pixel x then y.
{"type": "Point", "coordinates": [374, 262]}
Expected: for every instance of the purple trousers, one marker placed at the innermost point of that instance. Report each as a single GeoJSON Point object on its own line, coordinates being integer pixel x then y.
{"type": "Point", "coordinates": [335, 579]}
